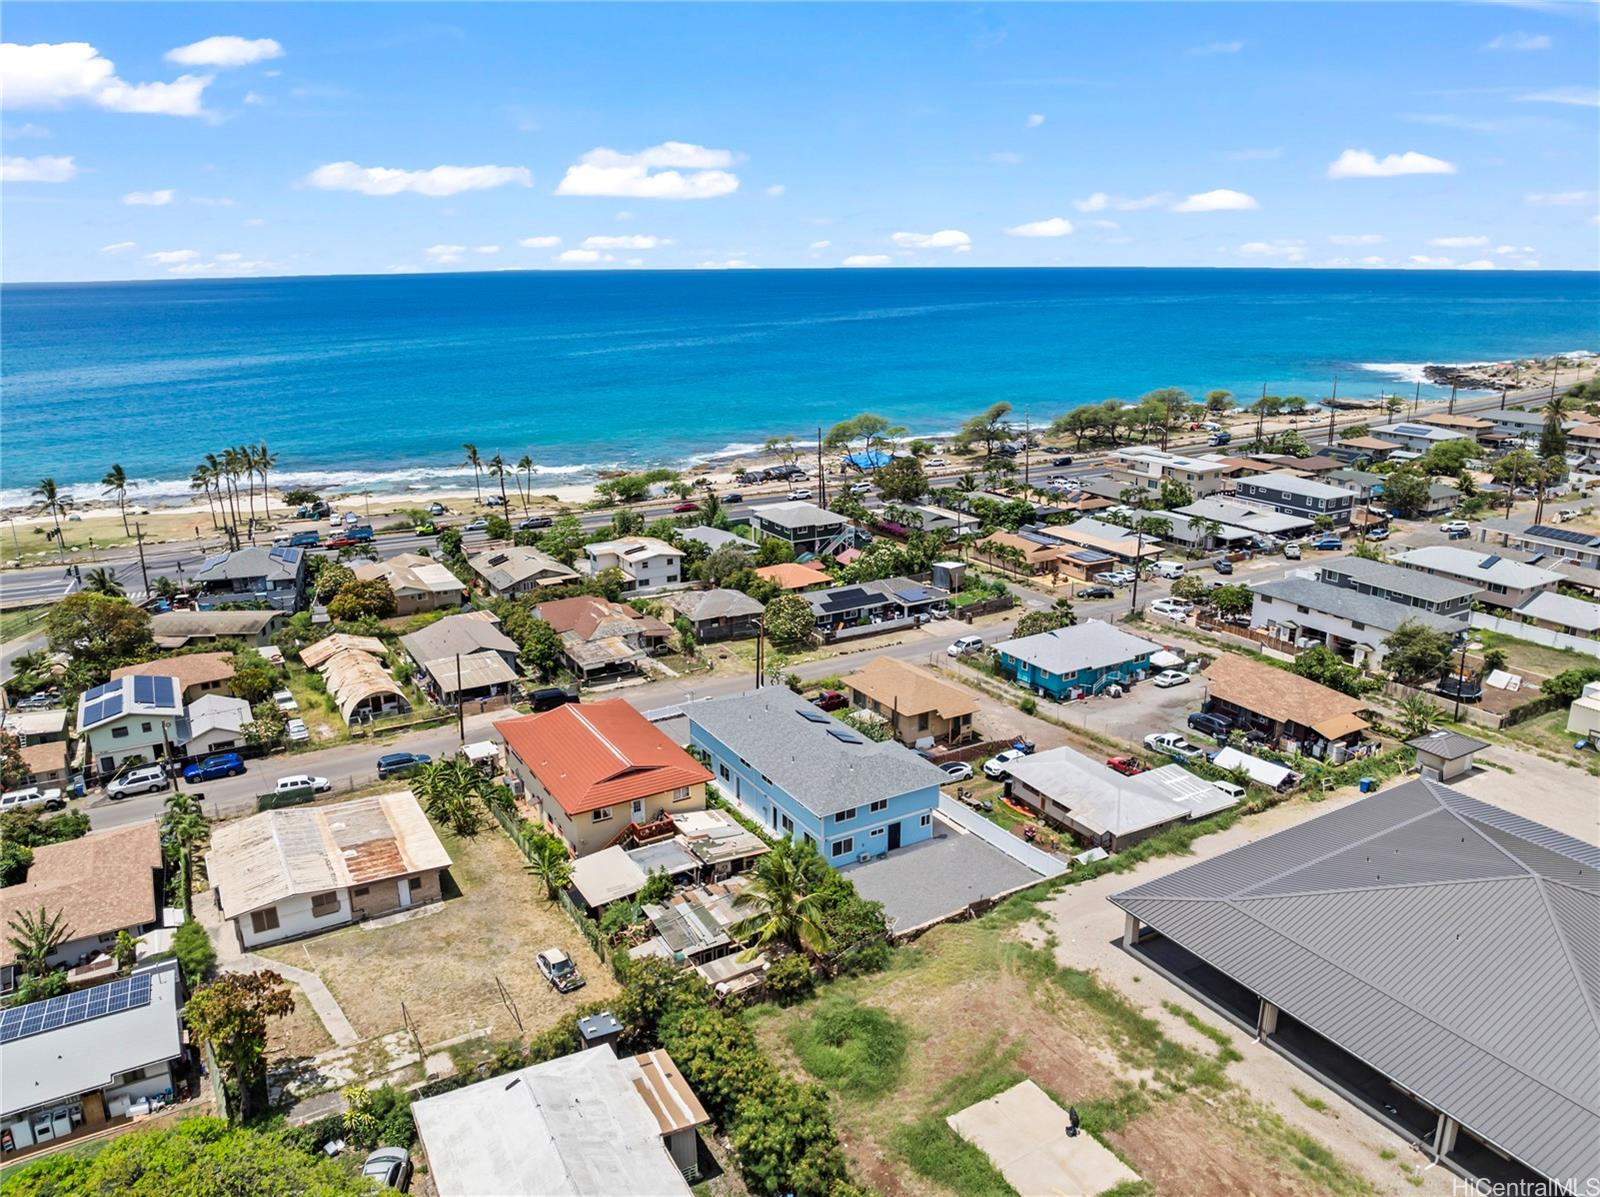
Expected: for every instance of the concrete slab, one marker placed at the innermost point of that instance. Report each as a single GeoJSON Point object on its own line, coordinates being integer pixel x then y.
{"type": "Point", "coordinates": [1023, 1132]}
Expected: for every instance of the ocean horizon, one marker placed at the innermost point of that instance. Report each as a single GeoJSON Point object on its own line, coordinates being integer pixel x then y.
{"type": "Point", "coordinates": [376, 381]}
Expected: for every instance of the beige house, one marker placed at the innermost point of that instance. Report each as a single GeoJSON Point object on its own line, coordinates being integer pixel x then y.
{"type": "Point", "coordinates": [919, 705]}
{"type": "Point", "coordinates": [518, 569]}
{"type": "Point", "coordinates": [419, 583]}
{"type": "Point", "coordinates": [595, 770]}
{"type": "Point", "coordinates": [198, 674]}
{"type": "Point", "coordinates": [175, 629]}
{"type": "Point", "coordinates": [646, 563]}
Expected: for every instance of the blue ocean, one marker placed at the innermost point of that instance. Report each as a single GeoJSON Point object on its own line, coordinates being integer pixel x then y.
{"type": "Point", "coordinates": [378, 381]}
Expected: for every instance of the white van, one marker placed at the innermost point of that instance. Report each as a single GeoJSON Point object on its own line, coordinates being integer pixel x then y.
{"type": "Point", "coordinates": [965, 645]}
{"type": "Point", "coordinates": [1170, 570]}
{"type": "Point", "coordinates": [146, 779]}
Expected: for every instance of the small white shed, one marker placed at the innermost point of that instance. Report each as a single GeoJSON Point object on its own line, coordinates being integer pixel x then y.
{"type": "Point", "coordinates": [1444, 755]}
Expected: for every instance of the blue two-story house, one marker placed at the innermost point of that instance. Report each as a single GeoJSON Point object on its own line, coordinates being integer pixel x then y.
{"type": "Point", "coordinates": [1077, 661]}
{"type": "Point", "coordinates": [806, 775]}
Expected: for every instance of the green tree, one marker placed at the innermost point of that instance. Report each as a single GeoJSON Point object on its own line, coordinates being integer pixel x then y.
{"type": "Point", "coordinates": [724, 563]}
{"type": "Point", "coordinates": [1405, 492]}
{"type": "Point", "coordinates": [15, 861]}
{"type": "Point", "coordinates": [124, 951]}
{"type": "Point", "coordinates": [97, 630]}
{"type": "Point", "coordinates": [777, 907]}
{"type": "Point", "coordinates": [363, 598]}
{"type": "Point", "coordinates": [1416, 654]}
{"type": "Point", "coordinates": [116, 484]}
{"type": "Point", "coordinates": [1219, 401]}
{"type": "Point", "coordinates": [452, 792]}
{"type": "Point", "coordinates": [1566, 686]}
{"type": "Point", "coordinates": [551, 864]}
{"type": "Point", "coordinates": [35, 937]}
{"type": "Point", "coordinates": [231, 1014]}
{"type": "Point", "coordinates": [184, 828]}
{"type": "Point", "coordinates": [541, 648]}
{"type": "Point", "coordinates": [1324, 666]}
{"type": "Point", "coordinates": [873, 431]}
{"type": "Point", "coordinates": [563, 539]}
{"type": "Point", "coordinates": [253, 679]}
{"type": "Point", "coordinates": [475, 460]}
{"type": "Point", "coordinates": [14, 770]}
{"type": "Point", "coordinates": [1233, 599]}
{"type": "Point", "coordinates": [1418, 714]}
{"type": "Point", "coordinates": [1553, 435]}
{"type": "Point", "coordinates": [1061, 615]}
{"type": "Point", "coordinates": [331, 579]}
{"type": "Point", "coordinates": [1175, 495]}
{"type": "Point", "coordinates": [988, 428]}
{"type": "Point", "coordinates": [195, 954]}
{"type": "Point", "coordinates": [1447, 458]}
{"type": "Point", "coordinates": [54, 504]}
{"type": "Point", "coordinates": [902, 480]}
{"type": "Point", "coordinates": [685, 629]}
{"type": "Point", "coordinates": [789, 622]}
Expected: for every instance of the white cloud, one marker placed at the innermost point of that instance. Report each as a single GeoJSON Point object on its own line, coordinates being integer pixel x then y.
{"type": "Point", "coordinates": [819, 245]}
{"type": "Point", "coordinates": [776, 190]}
{"type": "Point", "coordinates": [1006, 158]}
{"type": "Point", "coordinates": [673, 170]}
{"type": "Point", "coordinates": [229, 257]}
{"type": "Point", "coordinates": [149, 199]}
{"type": "Point", "coordinates": [24, 130]}
{"type": "Point", "coordinates": [1256, 155]}
{"type": "Point", "coordinates": [1520, 41]}
{"type": "Point", "coordinates": [486, 249]}
{"type": "Point", "coordinates": [582, 255]}
{"type": "Point", "coordinates": [170, 257]}
{"type": "Point", "coordinates": [1560, 199]}
{"type": "Point", "coordinates": [254, 98]}
{"type": "Point", "coordinates": [1289, 250]}
{"type": "Point", "coordinates": [53, 75]}
{"type": "Point", "coordinates": [1100, 202]}
{"type": "Point", "coordinates": [729, 264]}
{"type": "Point", "coordinates": [1514, 250]}
{"type": "Point", "coordinates": [1101, 224]}
{"type": "Point", "coordinates": [539, 242]}
{"type": "Point", "coordinates": [1035, 119]}
{"type": "Point", "coordinates": [1457, 242]}
{"type": "Point", "coordinates": [1218, 48]}
{"type": "Point", "coordinates": [628, 241]}
{"type": "Point", "coordinates": [225, 52]}
{"type": "Point", "coordinates": [1055, 226]}
{"type": "Point", "coordinates": [1356, 238]}
{"type": "Point", "coordinates": [1221, 200]}
{"type": "Point", "coordinates": [118, 247]}
{"type": "Point", "coordinates": [951, 239]}
{"type": "Point", "coordinates": [38, 170]}
{"type": "Point", "coordinates": [439, 181]}
{"type": "Point", "coordinates": [187, 268]}
{"type": "Point", "coordinates": [1580, 97]}
{"type": "Point", "coordinates": [254, 222]}
{"type": "Point", "coordinates": [445, 253]}
{"type": "Point", "coordinates": [214, 201]}
{"type": "Point", "coordinates": [1426, 262]}
{"type": "Point", "coordinates": [866, 260]}
{"type": "Point", "coordinates": [1361, 164]}
{"type": "Point", "coordinates": [1480, 264]}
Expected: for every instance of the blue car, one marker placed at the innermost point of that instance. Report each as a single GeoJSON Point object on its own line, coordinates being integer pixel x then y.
{"type": "Point", "coordinates": [399, 764]}
{"type": "Point", "coordinates": [227, 764]}
{"type": "Point", "coordinates": [1330, 543]}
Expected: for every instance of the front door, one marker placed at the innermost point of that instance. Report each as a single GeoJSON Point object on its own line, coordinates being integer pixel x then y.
{"type": "Point", "coordinates": [894, 836]}
{"type": "Point", "coordinates": [638, 810]}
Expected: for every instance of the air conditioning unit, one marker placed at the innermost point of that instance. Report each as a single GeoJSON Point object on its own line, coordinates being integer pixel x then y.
{"type": "Point", "coordinates": [863, 857]}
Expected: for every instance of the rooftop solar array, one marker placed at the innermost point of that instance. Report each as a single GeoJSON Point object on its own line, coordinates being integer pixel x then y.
{"type": "Point", "coordinates": [285, 555]}
{"type": "Point", "coordinates": [1565, 535]}
{"type": "Point", "coordinates": [109, 707]}
{"type": "Point", "coordinates": [845, 737]}
{"type": "Point", "coordinates": [814, 716]}
{"type": "Point", "coordinates": [154, 691]}
{"type": "Point", "coordinates": [35, 1018]}
{"type": "Point", "coordinates": [101, 691]}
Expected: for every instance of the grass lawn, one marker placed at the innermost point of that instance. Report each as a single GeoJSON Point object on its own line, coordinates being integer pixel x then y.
{"type": "Point", "coordinates": [21, 621]}
{"type": "Point", "coordinates": [1523, 656]}
{"type": "Point", "coordinates": [969, 1010]}
{"type": "Point", "coordinates": [82, 1151]}
{"type": "Point", "coordinates": [443, 965]}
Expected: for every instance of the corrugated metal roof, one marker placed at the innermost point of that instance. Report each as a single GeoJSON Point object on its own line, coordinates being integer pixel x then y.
{"type": "Point", "coordinates": [1450, 945]}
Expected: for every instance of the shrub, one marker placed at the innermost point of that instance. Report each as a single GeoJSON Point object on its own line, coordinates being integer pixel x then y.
{"type": "Point", "coordinates": [789, 980]}
{"type": "Point", "coordinates": [196, 957]}
{"type": "Point", "coordinates": [858, 1050]}
{"type": "Point", "coordinates": [1028, 705]}
{"type": "Point", "coordinates": [1567, 685]}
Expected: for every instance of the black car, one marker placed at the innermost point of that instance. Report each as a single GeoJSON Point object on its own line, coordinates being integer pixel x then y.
{"type": "Point", "coordinates": [1096, 592]}
{"type": "Point", "coordinates": [1467, 689]}
{"type": "Point", "coordinates": [1215, 726]}
{"type": "Point", "coordinates": [1222, 566]}
{"type": "Point", "coordinates": [401, 764]}
{"type": "Point", "coordinates": [534, 521]}
{"type": "Point", "coordinates": [734, 497]}
{"type": "Point", "coordinates": [1061, 461]}
{"type": "Point", "coordinates": [550, 697]}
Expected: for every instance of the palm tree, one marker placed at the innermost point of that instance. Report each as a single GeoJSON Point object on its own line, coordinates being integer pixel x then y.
{"type": "Point", "coordinates": [104, 581]}
{"type": "Point", "coordinates": [778, 907]}
{"type": "Point", "coordinates": [35, 938]}
{"type": "Point", "coordinates": [217, 470]}
{"type": "Point", "coordinates": [52, 501]}
{"type": "Point", "coordinates": [244, 458]}
{"type": "Point", "coordinates": [201, 480]}
{"type": "Point", "coordinates": [263, 459]}
{"type": "Point", "coordinates": [525, 466]}
{"type": "Point", "coordinates": [449, 791]}
{"type": "Point", "coordinates": [711, 509]}
{"type": "Point", "coordinates": [551, 864]}
{"type": "Point", "coordinates": [476, 462]}
{"type": "Point", "coordinates": [116, 483]}
{"type": "Point", "coordinates": [497, 469]}
{"type": "Point", "coordinates": [183, 829]}
{"type": "Point", "coordinates": [1418, 714]}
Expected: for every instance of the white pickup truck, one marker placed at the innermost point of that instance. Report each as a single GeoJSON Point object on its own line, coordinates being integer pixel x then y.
{"type": "Point", "coordinates": [49, 799]}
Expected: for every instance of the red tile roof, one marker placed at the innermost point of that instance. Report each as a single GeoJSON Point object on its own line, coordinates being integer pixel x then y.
{"type": "Point", "coordinates": [594, 755]}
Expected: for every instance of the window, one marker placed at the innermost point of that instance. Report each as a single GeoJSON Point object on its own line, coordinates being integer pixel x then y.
{"type": "Point", "coordinates": [414, 884]}
{"type": "Point", "coordinates": [144, 727]}
{"type": "Point", "coordinates": [322, 905]}
{"type": "Point", "coordinates": [845, 815]}
{"type": "Point", "coordinates": [264, 920]}
{"type": "Point", "coordinates": [843, 847]}
{"type": "Point", "coordinates": [926, 820]}
{"type": "Point", "coordinates": [880, 804]}
{"type": "Point", "coordinates": [360, 891]}
{"type": "Point", "coordinates": [118, 733]}
{"type": "Point", "coordinates": [788, 824]}
{"type": "Point", "coordinates": [723, 769]}
{"type": "Point", "coordinates": [922, 721]}
{"type": "Point", "coordinates": [601, 815]}
{"type": "Point", "coordinates": [681, 794]}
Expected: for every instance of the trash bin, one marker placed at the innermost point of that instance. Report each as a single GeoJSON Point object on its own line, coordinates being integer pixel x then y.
{"type": "Point", "coordinates": [1367, 785]}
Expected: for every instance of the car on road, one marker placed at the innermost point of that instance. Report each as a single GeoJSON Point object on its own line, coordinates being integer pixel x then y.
{"type": "Point", "coordinates": [31, 796]}
{"type": "Point", "coordinates": [401, 764]}
{"type": "Point", "coordinates": [1128, 766]}
{"type": "Point", "coordinates": [958, 771]}
{"type": "Point", "coordinates": [1378, 534]}
{"type": "Point", "coordinates": [1327, 544]}
{"type": "Point", "coordinates": [145, 779]}
{"type": "Point", "coordinates": [830, 700]}
{"type": "Point", "coordinates": [1222, 565]}
{"type": "Point", "coordinates": [477, 525]}
{"type": "Point", "coordinates": [1096, 592]}
{"type": "Point", "coordinates": [533, 522]}
{"type": "Point", "coordinates": [685, 507]}
{"type": "Point", "coordinates": [965, 645]}
{"type": "Point", "coordinates": [1061, 461]}
{"type": "Point", "coordinates": [1171, 677]}
{"type": "Point", "coordinates": [1455, 526]}
{"type": "Point", "coordinates": [557, 968]}
{"type": "Point", "coordinates": [1172, 608]}
{"type": "Point", "coordinates": [351, 519]}
{"type": "Point", "coordinates": [303, 540]}
{"type": "Point", "coordinates": [1467, 689]}
{"type": "Point", "coordinates": [1215, 726]}
{"type": "Point", "coordinates": [861, 488]}
{"type": "Point", "coordinates": [998, 766]}
{"type": "Point", "coordinates": [800, 495]}
{"type": "Point", "coordinates": [425, 528]}
{"type": "Point", "coordinates": [388, 1168]}
{"type": "Point", "coordinates": [302, 781]}
{"type": "Point", "coordinates": [733, 496]}
{"type": "Point", "coordinates": [340, 542]}
{"type": "Point", "coordinates": [224, 764]}
{"type": "Point", "coordinates": [1173, 745]}
{"type": "Point", "coordinates": [936, 461]}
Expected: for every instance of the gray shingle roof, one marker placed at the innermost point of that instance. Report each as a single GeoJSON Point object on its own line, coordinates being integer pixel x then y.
{"type": "Point", "coordinates": [1482, 568]}
{"type": "Point", "coordinates": [715, 538]}
{"type": "Point", "coordinates": [1562, 609]}
{"type": "Point", "coordinates": [1345, 603]}
{"type": "Point", "coordinates": [1400, 580]}
{"type": "Point", "coordinates": [1446, 943]}
{"type": "Point", "coordinates": [1293, 484]}
{"type": "Point", "coordinates": [712, 604]}
{"type": "Point", "coordinates": [798, 514]}
{"type": "Point", "coordinates": [771, 730]}
{"type": "Point", "coordinates": [276, 564]}
{"type": "Point", "coordinates": [1090, 645]}
{"type": "Point", "coordinates": [1446, 743]}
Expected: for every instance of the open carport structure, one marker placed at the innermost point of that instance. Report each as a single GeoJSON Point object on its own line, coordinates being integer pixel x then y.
{"type": "Point", "coordinates": [1434, 958]}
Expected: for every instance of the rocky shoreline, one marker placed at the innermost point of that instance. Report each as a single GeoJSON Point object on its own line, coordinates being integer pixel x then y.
{"type": "Point", "coordinates": [1512, 375]}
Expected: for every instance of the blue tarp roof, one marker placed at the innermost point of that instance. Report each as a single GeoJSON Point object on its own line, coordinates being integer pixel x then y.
{"type": "Point", "coordinates": [868, 459]}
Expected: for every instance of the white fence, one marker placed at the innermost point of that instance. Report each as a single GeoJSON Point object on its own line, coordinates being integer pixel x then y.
{"type": "Point", "coordinates": [1536, 635]}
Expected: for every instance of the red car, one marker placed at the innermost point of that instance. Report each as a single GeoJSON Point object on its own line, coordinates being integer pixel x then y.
{"type": "Point", "coordinates": [1128, 766]}
{"type": "Point", "coordinates": [685, 507]}
{"type": "Point", "coordinates": [830, 700]}
{"type": "Point", "coordinates": [341, 542]}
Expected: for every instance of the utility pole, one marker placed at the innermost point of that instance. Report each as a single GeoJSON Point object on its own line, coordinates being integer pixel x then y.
{"type": "Point", "coordinates": [1332, 410]}
{"type": "Point", "coordinates": [1261, 411]}
{"type": "Point", "coordinates": [1452, 408]}
{"type": "Point", "coordinates": [461, 704]}
{"type": "Point", "coordinates": [138, 536]}
{"type": "Point", "coordinates": [1417, 402]}
{"type": "Point", "coordinates": [822, 477]}
{"type": "Point", "coordinates": [1503, 389]}
{"type": "Point", "coordinates": [1138, 561]}
{"type": "Point", "coordinates": [761, 648]}
{"type": "Point", "coordinates": [1027, 448]}
{"type": "Point", "coordinates": [1461, 673]}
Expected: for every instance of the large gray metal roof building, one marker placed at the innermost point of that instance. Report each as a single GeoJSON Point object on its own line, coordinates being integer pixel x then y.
{"type": "Point", "coordinates": [1448, 946]}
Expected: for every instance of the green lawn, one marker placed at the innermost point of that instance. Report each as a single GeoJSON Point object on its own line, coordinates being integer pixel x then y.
{"type": "Point", "coordinates": [21, 621]}
{"type": "Point", "coordinates": [1523, 656]}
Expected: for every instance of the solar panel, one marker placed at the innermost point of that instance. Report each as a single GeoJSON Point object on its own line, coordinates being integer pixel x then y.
{"type": "Point", "coordinates": [814, 716]}
{"type": "Point", "coordinates": [128, 993]}
{"type": "Point", "coordinates": [1489, 562]}
{"type": "Point", "coordinates": [98, 691]}
{"type": "Point", "coordinates": [144, 690]}
{"type": "Point", "coordinates": [845, 737]}
{"type": "Point", "coordinates": [1564, 535]}
{"type": "Point", "coordinates": [163, 689]}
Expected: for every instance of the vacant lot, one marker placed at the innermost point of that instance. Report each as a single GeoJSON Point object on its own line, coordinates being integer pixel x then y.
{"type": "Point", "coordinates": [442, 965]}
{"type": "Point", "coordinates": [1527, 658]}
{"type": "Point", "coordinates": [301, 1034]}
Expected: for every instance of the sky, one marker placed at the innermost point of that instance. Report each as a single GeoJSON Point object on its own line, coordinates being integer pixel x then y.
{"type": "Point", "coordinates": [211, 140]}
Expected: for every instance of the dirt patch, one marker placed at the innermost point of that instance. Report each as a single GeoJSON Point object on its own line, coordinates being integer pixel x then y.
{"type": "Point", "coordinates": [301, 1034]}
{"type": "Point", "coordinates": [442, 970]}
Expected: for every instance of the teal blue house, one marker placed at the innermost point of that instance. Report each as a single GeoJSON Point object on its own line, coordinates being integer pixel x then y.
{"type": "Point", "coordinates": [1077, 661]}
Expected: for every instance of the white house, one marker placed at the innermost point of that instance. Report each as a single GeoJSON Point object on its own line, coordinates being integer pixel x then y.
{"type": "Point", "coordinates": [647, 564]}
{"type": "Point", "coordinates": [214, 723]}
{"type": "Point", "coordinates": [130, 717]}
{"type": "Point", "coordinates": [1147, 468]}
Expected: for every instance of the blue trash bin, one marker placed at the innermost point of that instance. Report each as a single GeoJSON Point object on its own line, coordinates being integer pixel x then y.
{"type": "Point", "coordinates": [1366, 785]}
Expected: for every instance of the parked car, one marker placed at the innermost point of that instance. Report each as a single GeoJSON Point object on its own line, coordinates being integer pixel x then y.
{"type": "Point", "coordinates": [145, 779]}
{"type": "Point", "coordinates": [958, 770]}
{"type": "Point", "coordinates": [1459, 533]}
{"type": "Point", "coordinates": [1222, 565]}
{"type": "Point", "coordinates": [389, 1168]}
{"type": "Point", "coordinates": [1096, 592]}
{"type": "Point", "coordinates": [1327, 544]}
{"type": "Point", "coordinates": [1128, 766]}
{"type": "Point", "coordinates": [400, 764]}
{"type": "Point", "coordinates": [494, 501]}
{"type": "Point", "coordinates": [965, 645]}
{"type": "Point", "coordinates": [1455, 526]}
{"type": "Point", "coordinates": [436, 509]}
{"type": "Point", "coordinates": [796, 496]}
{"type": "Point", "coordinates": [1171, 677]}
{"type": "Point", "coordinates": [1173, 745]}
{"type": "Point", "coordinates": [31, 796]}
{"type": "Point", "coordinates": [1467, 689]}
{"type": "Point", "coordinates": [830, 700]}
{"type": "Point", "coordinates": [1172, 608]}
{"type": "Point", "coordinates": [937, 461]}
{"type": "Point", "coordinates": [1292, 551]}
{"type": "Point", "coordinates": [548, 698]}
{"type": "Point", "coordinates": [996, 766]}
{"type": "Point", "coordinates": [1215, 726]}
{"type": "Point", "coordinates": [1117, 577]}
{"type": "Point", "coordinates": [557, 968]}
{"type": "Point", "coordinates": [533, 522]}
{"type": "Point", "coordinates": [1378, 534]}
{"type": "Point", "coordinates": [685, 507]}
{"type": "Point", "coordinates": [224, 764]}
{"type": "Point", "coordinates": [303, 781]}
